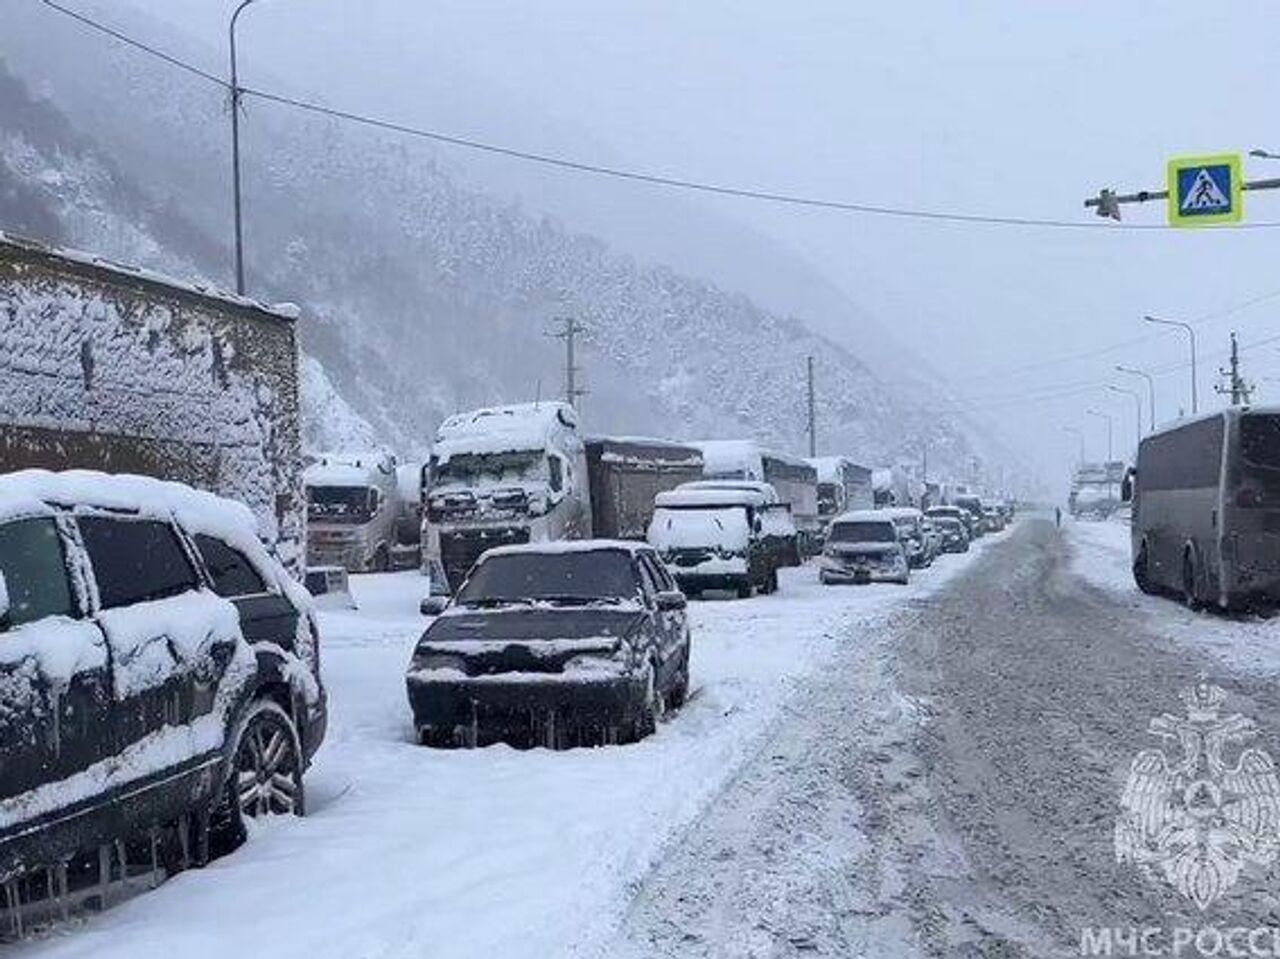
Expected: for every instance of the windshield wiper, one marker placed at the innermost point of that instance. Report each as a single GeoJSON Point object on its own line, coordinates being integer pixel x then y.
{"type": "Point", "coordinates": [489, 602]}
{"type": "Point", "coordinates": [570, 600]}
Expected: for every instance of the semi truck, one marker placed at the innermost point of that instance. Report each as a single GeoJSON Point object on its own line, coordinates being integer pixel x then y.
{"type": "Point", "coordinates": [525, 473]}
{"type": "Point", "coordinates": [353, 508]}
{"type": "Point", "coordinates": [112, 368]}
{"type": "Point", "coordinates": [843, 485]}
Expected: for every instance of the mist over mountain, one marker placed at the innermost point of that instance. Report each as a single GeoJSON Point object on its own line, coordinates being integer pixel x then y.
{"type": "Point", "coordinates": [422, 292]}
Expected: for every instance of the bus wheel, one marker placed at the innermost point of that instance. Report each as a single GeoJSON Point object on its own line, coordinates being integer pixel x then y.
{"type": "Point", "coordinates": [1141, 574]}
{"type": "Point", "coordinates": [1189, 593]}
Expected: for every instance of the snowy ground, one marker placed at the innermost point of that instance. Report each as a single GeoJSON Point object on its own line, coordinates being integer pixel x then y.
{"type": "Point", "coordinates": [416, 852]}
{"type": "Point", "coordinates": [1247, 643]}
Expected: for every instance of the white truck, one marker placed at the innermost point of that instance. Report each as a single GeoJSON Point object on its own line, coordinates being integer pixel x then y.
{"type": "Point", "coordinates": [353, 504]}
{"type": "Point", "coordinates": [524, 473]}
{"type": "Point", "coordinates": [843, 485]}
{"type": "Point", "coordinates": [794, 479]}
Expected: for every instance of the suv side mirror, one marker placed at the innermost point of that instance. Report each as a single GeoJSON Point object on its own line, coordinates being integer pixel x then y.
{"type": "Point", "coordinates": [4, 604]}
{"type": "Point", "coordinates": [671, 599]}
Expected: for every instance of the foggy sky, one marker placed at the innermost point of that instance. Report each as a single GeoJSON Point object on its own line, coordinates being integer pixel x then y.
{"type": "Point", "coordinates": [1001, 108]}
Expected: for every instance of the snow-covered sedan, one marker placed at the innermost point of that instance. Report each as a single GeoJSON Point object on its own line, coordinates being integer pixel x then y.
{"type": "Point", "coordinates": [159, 676]}
{"type": "Point", "coordinates": [559, 644]}
{"type": "Point", "coordinates": [862, 547]}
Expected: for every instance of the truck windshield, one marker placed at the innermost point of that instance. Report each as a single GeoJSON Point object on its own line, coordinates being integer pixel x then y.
{"type": "Point", "coordinates": [348, 504]}
{"type": "Point", "coordinates": [828, 498]}
{"type": "Point", "coordinates": [471, 469]}
{"type": "Point", "coordinates": [862, 533]}
{"type": "Point", "coordinates": [1260, 440]}
{"type": "Point", "coordinates": [568, 578]}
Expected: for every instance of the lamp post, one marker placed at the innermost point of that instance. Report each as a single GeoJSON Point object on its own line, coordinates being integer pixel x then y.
{"type": "Point", "coordinates": [1151, 392]}
{"type": "Point", "coordinates": [1110, 422]}
{"type": "Point", "coordinates": [1191, 334]}
{"type": "Point", "coordinates": [235, 147]}
{"type": "Point", "coordinates": [1137, 407]}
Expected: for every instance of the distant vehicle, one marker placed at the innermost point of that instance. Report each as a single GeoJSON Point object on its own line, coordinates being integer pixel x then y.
{"type": "Point", "coordinates": [932, 539]}
{"type": "Point", "coordinates": [519, 474]}
{"type": "Point", "coordinates": [353, 510]}
{"type": "Point", "coordinates": [910, 525]}
{"type": "Point", "coordinates": [1205, 499]}
{"type": "Point", "coordinates": [795, 481]}
{"type": "Point", "coordinates": [776, 524]}
{"type": "Point", "coordinates": [159, 676]}
{"type": "Point", "coordinates": [842, 486]}
{"type": "Point", "coordinates": [559, 644]}
{"type": "Point", "coordinates": [955, 536]}
{"type": "Point", "coordinates": [713, 538]}
{"type": "Point", "coordinates": [406, 544]}
{"type": "Point", "coordinates": [972, 506]}
{"type": "Point", "coordinates": [862, 547]}
{"type": "Point", "coordinates": [1095, 490]}
{"type": "Point", "coordinates": [992, 517]}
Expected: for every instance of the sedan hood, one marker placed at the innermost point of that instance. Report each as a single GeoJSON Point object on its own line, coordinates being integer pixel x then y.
{"type": "Point", "coordinates": [519, 624]}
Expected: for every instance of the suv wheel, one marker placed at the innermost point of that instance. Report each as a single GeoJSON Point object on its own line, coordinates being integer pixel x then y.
{"type": "Point", "coordinates": [651, 709]}
{"type": "Point", "coordinates": [680, 689]}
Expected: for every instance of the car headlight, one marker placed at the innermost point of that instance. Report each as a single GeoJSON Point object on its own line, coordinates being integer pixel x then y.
{"type": "Point", "coordinates": [612, 662]}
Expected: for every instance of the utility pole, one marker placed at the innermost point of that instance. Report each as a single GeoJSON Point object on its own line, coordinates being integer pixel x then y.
{"type": "Point", "coordinates": [236, 93]}
{"type": "Point", "coordinates": [569, 334]}
{"type": "Point", "coordinates": [813, 416]}
{"type": "Point", "coordinates": [1239, 390]}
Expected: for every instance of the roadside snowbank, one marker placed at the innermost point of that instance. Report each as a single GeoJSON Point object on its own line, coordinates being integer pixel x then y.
{"type": "Point", "coordinates": [1247, 643]}
{"type": "Point", "coordinates": [415, 852]}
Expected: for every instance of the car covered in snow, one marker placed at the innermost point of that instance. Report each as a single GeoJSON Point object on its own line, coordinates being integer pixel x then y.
{"type": "Point", "coordinates": [581, 642]}
{"type": "Point", "coordinates": [864, 546]}
{"type": "Point", "coordinates": [777, 526]}
{"type": "Point", "coordinates": [716, 538]}
{"type": "Point", "coordinates": [159, 674]}
{"type": "Point", "coordinates": [911, 530]}
{"type": "Point", "coordinates": [954, 534]}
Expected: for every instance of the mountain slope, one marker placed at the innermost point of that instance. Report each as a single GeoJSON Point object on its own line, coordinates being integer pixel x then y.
{"type": "Point", "coordinates": [423, 296]}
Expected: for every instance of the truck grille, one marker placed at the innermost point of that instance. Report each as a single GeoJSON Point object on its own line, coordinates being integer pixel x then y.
{"type": "Point", "coordinates": [459, 550]}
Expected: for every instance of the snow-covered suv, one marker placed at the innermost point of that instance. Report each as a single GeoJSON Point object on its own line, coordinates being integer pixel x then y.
{"type": "Point", "coordinates": [159, 673]}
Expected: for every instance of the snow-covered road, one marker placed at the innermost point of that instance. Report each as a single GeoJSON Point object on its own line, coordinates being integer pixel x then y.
{"type": "Point", "coordinates": [416, 852]}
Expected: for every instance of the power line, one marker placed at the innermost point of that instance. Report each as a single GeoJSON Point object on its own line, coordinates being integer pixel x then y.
{"type": "Point", "coordinates": [138, 44]}
{"type": "Point", "coordinates": [635, 176]}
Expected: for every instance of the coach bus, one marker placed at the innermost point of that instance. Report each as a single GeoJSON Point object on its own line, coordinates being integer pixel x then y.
{"type": "Point", "coordinates": [1206, 509]}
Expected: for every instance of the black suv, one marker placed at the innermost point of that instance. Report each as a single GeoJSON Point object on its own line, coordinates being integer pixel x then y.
{"type": "Point", "coordinates": [159, 677]}
{"type": "Point", "coordinates": [559, 644]}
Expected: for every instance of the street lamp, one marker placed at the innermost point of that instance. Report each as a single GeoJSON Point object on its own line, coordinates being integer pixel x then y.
{"type": "Point", "coordinates": [1151, 391]}
{"type": "Point", "coordinates": [1110, 422]}
{"type": "Point", "coordinates": [1137, 406]}
{"type": "Point", "coordinates": [1191, 333]}
{"type": "Point", "coordinates": [235, 147]}
{"type": "Point", "coordinates": [1079, 434]}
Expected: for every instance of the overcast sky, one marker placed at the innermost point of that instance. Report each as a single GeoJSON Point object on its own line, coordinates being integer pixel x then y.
{"type": "Point", "coordinates": [1009, 108]}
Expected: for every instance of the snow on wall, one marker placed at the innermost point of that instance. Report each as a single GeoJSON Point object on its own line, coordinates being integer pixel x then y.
{"type": "Point", "coordinates": [108, 369]}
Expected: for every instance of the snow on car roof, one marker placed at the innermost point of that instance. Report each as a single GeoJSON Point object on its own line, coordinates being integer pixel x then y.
{"type": "Point", "coordinates": [500, 429]}
{"type": "Point", "coordinates": [139, 494]}
{"type": "Point", "coordinates": [898, 512]}
{"type": "Point", "coordinates": [766, 490]}
{"type": "Point", "coordinates": [564, 546]}
{"type": "Point", "coordinates": [708, 496]}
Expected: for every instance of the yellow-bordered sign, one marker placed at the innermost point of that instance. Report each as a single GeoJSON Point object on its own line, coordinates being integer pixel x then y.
{"type": "Point", "coordinates": [1206, 191]}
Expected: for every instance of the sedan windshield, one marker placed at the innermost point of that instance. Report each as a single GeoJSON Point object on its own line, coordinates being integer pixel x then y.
{"type": "Point", "coordinates": [570, 577]}
{"type": "Point", "coordinates": [862, 532]}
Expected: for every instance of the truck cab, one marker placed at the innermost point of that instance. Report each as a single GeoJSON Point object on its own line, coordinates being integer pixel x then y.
{"type": "Point", "coordinates": [353, 504]}
{"type": "Point", "coordinates": [500, 476]}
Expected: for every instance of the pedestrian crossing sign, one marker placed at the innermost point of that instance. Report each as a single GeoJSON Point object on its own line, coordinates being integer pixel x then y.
{"type": "Point", "coordinates": [1204, 191]}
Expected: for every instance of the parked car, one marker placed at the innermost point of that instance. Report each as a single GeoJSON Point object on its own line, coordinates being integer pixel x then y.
{"type": "Point", "coordinates": [932, 539]}
{"type": "Point", "coordinates": [910, 524]}
{"type": "Point", "coordinates": [716, 538]}
{"type": "Point", "coordinates": [955, 537]}
{"type": "Point", "coordinates": [564, 643]}
{"type": "Point", "coordinates": [992, 518]}
{"type": "Point", "coordinates": [777, 524]}
{"type": "Point", "coordinates": [159, 673]}
{"type": "Point", "coordinates": [862, 547]}
{"type": "Point", "coordinates": [972, 507]}
{"type": "Point", "coordinates": [962, 516]}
